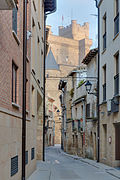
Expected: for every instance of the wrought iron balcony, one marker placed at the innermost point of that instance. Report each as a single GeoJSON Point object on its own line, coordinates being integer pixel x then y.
{"type": "Point", "coordinates": [104, 41]}
{"type": "Point", "coordinates": [116, 84]}
{"type": "Point", "coordinates": [116, 24]}
{"type": "Point", "coordinates": [7, 4]}
{"type": "Point", "coordinates": [104, 92]}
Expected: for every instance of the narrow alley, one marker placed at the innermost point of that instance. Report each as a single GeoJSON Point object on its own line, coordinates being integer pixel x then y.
{"type": "Point", "coordinates": [61, 166]}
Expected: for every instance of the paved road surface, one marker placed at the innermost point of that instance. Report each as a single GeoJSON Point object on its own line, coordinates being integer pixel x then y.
{"type": "Point", "coordinates": [59, 166]}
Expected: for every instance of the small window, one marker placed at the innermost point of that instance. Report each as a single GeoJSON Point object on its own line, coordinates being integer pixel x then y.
{"type": "Point", "coordinates": [116, 7]}
{"type": "Point", "coordinates": [116, 77]}
{"type": "Point", "coordinates": [104, 74]}
{"type": "Point", "coordinates": [14, 19]}
{"type": "Point", "coordinates": [26, 157]}
{"type": "Point", "coordinates": [14, 165]}
{"type": "Point", "coordinates": [32, 153]}
{"type": "Point", "coordinates": [34, 6]}
{"type": "Point", "coordinates": [88, 110]}
{"type": "Point", "coordinates": [78, 125]}
{"type": "Point", "coordinates": [117, 64]}
{"type": "Point", "coordinates": [73, 125]}
{"type": "Point", "coordinates": [104, 32]}
{"type": "Point", "coordinates": [116, 19]}
{"type": "Point", "coordinates": [14, 83]}
{"type": "Point", "coordinates": [104, 83]}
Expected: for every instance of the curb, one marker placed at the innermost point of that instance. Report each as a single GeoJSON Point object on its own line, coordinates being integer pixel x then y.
{"type": "Point", "coordinates": [94, 165]}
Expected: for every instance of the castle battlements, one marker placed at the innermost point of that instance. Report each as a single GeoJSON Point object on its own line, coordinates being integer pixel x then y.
{"type": "Point", "coordinates": [75, 31]}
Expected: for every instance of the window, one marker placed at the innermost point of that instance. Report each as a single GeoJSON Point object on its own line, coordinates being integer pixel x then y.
{"type": "Point", "coordinates": [116, 7]}
{"type": "Point", "coordinates": [104, 32]}
{"type": "Point", "coordinates": [104, 83]}
{"type": "Point", "coordinates": [32, 153]}
{"type": "Point", "coordinates": [73, 125]}
{"type": "Point", "coordinates": [116, 19]}
{"type": "Point", "coordinates": [26, 157]}
{"type": "Point", "coordinates": [14, 165]}
{"type": "Point", "coordinates": [78, 125]}
{"type": "Point", "coordinates": [34, 6]}
{"type": "Point", "coordinates": [88, 110]}
{"type": "Point", "coordinates": [116, 77]}
{"type": "Point", "coordinates": [14, 83]}
{"type": "Point", "coordinates": [76, 112]}
{"type": "Point", "coordinates": [14, 19]}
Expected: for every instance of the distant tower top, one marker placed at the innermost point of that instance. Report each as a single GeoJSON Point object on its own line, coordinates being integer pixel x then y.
{"type": "Point", "coordinates": [75, 31]}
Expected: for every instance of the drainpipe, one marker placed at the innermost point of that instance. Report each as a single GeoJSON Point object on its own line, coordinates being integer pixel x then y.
{"type": "Point", "coordinates": [24, 87]}
{"type": "Point", "coordinates": [46, 12]}
{"type": "Point", "coordinates": [98, 85]}
{"type": "Point", "coordinates": [44, 79]}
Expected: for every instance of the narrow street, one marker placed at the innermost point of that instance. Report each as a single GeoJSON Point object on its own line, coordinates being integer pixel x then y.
{"type": "Point", "coordinates": [60, 166]}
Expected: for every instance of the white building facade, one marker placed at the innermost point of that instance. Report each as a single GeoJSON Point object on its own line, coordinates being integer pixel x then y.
{"type": "Point", "coordinates": [109, 81]}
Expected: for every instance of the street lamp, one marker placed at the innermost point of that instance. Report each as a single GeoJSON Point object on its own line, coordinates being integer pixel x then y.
{"type": "Point", "coordinates": [88, 86]}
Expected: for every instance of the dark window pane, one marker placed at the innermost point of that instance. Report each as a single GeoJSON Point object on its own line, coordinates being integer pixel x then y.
{"type": "Point", "coordinates": [14, 83]}
{"type": "Point", "coordinates": [32, 153]}
{"type": "Point", "coordinates": [14, 19]}
{"type": "Point", "coordinates": [104, 92]}
{"type": "Point", "coordinates": [26, 157]}
{"type": "Point", "coordinates": [116, 24]}
{"type": "Point", "coordinates": [88, 110]}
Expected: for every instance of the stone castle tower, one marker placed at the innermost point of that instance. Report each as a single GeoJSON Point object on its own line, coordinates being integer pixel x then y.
{"type": "Point", "coordinates": [66, 52]}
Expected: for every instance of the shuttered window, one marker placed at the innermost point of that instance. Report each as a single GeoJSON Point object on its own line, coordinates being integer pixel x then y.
{"type": "Point", "coordinates": [32, 153]}
{"type": "Point", "coordinates": [14, 165]}
{"type": "Point", "coordinates": [14, 19]}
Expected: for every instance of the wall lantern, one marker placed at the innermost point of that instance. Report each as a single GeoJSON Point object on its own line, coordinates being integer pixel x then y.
{"type": "Point", "coordinates": [88, 86]}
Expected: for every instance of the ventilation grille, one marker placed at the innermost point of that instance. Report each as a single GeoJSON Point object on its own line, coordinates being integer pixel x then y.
{"type": "Point", "coordinates": [14, 165]}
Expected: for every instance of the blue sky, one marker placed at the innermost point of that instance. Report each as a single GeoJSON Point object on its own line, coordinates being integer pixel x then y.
{"type": "Point", "coordinates": [79, 10]}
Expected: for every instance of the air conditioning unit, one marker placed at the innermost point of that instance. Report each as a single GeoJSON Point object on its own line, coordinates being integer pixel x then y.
{"type": "Point", "coordinates": [7, 4]}
{"type": "Point", "coordinates": [109, 105]}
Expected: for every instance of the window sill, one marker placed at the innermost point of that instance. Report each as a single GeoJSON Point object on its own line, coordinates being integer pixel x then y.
{"type": "Point", "coordinates": [116, 36]}
{"type": "Point", "coordinates": [16, 37]}
{"type": "Point", "coordinates": [103, 51]}
{"type": "Point", "coordinates": [15, 105]}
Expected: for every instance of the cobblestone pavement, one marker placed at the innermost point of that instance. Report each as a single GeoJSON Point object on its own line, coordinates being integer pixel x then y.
{"type": "Point", "coordinates": [61, 166]}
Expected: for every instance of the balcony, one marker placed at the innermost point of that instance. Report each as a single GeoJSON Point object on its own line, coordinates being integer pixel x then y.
{"type": "Point", "coordinates": [104, 92]}
{"type": "Point", "coordinates": [116, 25]}
{"type": "Point", "coordinates": [116, 84]}
{"type": "Point", "coordinates": [7, 4]}
{"type": "Point", "coordinates": [104, 41]}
